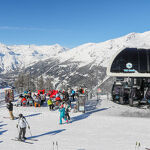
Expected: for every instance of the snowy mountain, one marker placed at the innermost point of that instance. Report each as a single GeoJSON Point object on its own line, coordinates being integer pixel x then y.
{"type": "Point", "coordinates": [102, 52]}
{"type": "Point", "coordinates": [82, 65]}
{"type": "Point", "coordinates": [18, 56]}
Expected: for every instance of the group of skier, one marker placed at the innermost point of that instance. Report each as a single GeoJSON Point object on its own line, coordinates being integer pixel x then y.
{"type": "Point", "coordinates": [57, 99]}
{"type": "Point", "coordinates": [31, 100]}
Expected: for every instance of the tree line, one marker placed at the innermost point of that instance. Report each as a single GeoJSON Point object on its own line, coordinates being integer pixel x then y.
{"type": "Point", "coordinates": [26, 82]}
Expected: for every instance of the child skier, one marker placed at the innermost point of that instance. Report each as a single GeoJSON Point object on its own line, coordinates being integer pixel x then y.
{"type": "Point", "coordinates": [62, 114]}
{"type": "Point", "coordinates": [22, 124]}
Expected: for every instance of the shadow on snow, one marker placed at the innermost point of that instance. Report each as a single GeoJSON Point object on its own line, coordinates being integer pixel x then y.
{"type": "Point", "coordinates": [2, 125]}
{"type": "Point", "coordinates": [32, 115]}
{"type": "Point", "coordinates": [85, 115]}
{"type": "Point", "coordinates": [1, 132]}
{"type": "Point", "coordinates": [47, 133]}
{"type": "Point", "coordinates": [91, 104]}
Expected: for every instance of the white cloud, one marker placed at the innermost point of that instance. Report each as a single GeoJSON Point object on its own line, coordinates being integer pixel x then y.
{"type": "Point", "coordinates": [20, 28]}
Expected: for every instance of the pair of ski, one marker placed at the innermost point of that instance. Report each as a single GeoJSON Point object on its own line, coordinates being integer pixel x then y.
{"type": "Point", "coordinates": [10, 118]}
{"type": "Point", "coordinates": [25, 141]}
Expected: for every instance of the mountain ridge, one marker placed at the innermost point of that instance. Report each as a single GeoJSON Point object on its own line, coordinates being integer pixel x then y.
{"type": "Point", "coordinates": [82, 65]}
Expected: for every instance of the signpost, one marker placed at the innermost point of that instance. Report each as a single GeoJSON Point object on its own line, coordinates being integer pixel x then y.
{"type": "Point", "coordinates": [81, 103]}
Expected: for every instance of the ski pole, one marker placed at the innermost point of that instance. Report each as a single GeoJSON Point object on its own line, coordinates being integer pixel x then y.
{"type": "Point", "coordinates": [53, 145]}
{"type": "Point", "coordinates": [139, 145]}
{"type": "Point", "coordinates": [30, 131]}
{"type": "Point", "coordinates": [136, 145]}
{"type": "Point", "coordinates": [57, 145]}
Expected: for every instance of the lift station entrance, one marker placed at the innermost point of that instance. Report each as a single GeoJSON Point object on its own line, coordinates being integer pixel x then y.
{"type": "Point", "coordinates": [131, 67]}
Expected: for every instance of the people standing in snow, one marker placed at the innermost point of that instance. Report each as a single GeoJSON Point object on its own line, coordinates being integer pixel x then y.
{"type": "Point", "coordinates": [24, 101]}
{"type": "Point", "coordinates": [50, 104]}
{"type": "Point", "coordinates": [67, 109]}
{"type": "Point", "coordinates": [43, 98]}
{"type": "Point", "coordinates": [22, 124]}
{"type": "Point", "coordinates": [62, 114]}
{"type": "Point", "coordinates": [30, 101]}
{"type": "Point", "coordinates": [29, 93]}
{"type": "Point", "coordinates": [10, 108]}
{"type": "Point", "coordinates": [37, 101]}
{"type": "Point", "coordinates": [66, 96]}
{"type": "Point", "coordinates": [81, 91]}
{"type": "Point", "coordinates": [18, 103]}
{"type": "Point", "coordinates": [58, 100]}
{"type": "Point", "coordinates": [72, 95]}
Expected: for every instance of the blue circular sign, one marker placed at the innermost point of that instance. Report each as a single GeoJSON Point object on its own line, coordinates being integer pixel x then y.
{"type": "Point", "coordinates": [129, 65]}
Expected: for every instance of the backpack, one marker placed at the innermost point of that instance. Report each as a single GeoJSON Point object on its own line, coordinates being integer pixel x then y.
{"type": "Point", "coordinates": [22, 123]}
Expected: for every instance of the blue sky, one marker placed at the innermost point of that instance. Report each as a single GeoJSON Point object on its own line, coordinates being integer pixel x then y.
{"type": "Point", "coordinates": [70, 23]}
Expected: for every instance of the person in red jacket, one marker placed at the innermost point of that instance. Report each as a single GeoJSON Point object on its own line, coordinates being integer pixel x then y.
{"type": "Point", "coordinates": [24, 101]}
{"type": "Point", "coordinates": [58, 100]}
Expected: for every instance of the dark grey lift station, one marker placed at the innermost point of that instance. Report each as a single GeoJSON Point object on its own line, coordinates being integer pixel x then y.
{"type": "Point", "coordinates": [131, 67]}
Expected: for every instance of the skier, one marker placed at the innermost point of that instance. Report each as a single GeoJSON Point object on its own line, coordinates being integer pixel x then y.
{"type": "Point", "coordinates": [66, 97]}
{"type": "Point", "coordinates": [22, 124]}
{"type": "Point", "coordinates": [24, 101]}
{"type": "Point", "coordinates": [72, 95]}
{"type": "Point", "coordinates": [62, 114]}
{"type": "Point", "coordinates": [37, 101]}
{"type": "Point", "coordinates": [67, 109]}
{"type": "Point", "coordinates": [18, 103]}
{"type": "Point", "coordinates": [10, 108]}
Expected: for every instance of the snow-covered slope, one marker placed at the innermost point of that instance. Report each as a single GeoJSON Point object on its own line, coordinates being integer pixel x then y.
{"type": "Point", "coordinates": [108, 126]}
{"type": "Point", "coordinates": [102, 52]}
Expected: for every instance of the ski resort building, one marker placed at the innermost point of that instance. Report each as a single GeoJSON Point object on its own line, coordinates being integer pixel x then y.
{"type": "Point", "coordinates": [130, 62]}
{"type": "Point", "coordinates": [131, 67]}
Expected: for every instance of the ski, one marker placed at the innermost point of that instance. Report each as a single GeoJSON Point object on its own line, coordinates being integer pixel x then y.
{"type": "Point", "coordinates": [10, 118]}
{"type": "Point", "coordinates": [31, 139]}
{"type": "Point", "coordinates": [147, 148]}
{"type": "Point", "coordinates": [22, 141]}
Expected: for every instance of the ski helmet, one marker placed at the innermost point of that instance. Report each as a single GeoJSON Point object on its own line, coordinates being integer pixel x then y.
{"type": "Point", "coordinates": [20, 115]}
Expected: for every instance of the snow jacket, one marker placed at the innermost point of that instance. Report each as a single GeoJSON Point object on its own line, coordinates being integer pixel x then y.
{"type": "Point", "coordinates": [10, 106]}
{"type": "Point", "coordinates": [67, 108]}
{"type": "Point", "coordinates": [72, 92]}
{"type": "Point", "coordinates": [62, 112]}
{"type": "Point", "coordinates": [49, 102]}
{"type": "Point", "coordinates": [24, 101]}
{"type": "Point", "coordinates": [22, 123]}
{"type": "Point", "coordinates": [57, 98]}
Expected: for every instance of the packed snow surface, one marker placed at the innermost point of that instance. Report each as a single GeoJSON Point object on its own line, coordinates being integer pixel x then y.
{"type": "Point", "coordinates": [104, 126]}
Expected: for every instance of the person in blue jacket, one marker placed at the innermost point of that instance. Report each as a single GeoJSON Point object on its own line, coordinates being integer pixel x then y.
{"type": "Point", "coordinates": [72, 95]}
{"type": "Point", "coordinates": [62, 114]}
